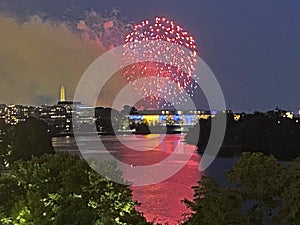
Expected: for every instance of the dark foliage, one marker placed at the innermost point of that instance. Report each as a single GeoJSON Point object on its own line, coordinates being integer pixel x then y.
{"type": "Point", "coordinates": [270, 133]}
{"type": "Point", "coordinates": [24, 141]}
{"type": "Point", "coordinates": [260, 191]}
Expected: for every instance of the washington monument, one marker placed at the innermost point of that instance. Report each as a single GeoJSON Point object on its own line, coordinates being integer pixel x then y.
{"type": "Point", "coordinates": [62, 97]}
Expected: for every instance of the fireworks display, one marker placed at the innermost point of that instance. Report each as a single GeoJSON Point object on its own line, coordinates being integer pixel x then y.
{"type": "Point", "coordinates": [108, 29]}
{"type": "Point", "coordinates": [179, 67]}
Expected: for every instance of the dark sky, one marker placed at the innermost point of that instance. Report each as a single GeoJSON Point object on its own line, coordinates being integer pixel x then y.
{"type": "Point", "coordinates": [251, 46]}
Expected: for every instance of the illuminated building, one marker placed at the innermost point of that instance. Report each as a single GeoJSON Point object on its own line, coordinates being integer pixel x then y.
{"type": "Point", "coordinates": [167, 117]}
{"type": "Point", "coordinates": [85, 116]}
{"type": "Point", "coordinates": [288, 115]}
{"type": "Point", "coordinates": [15, 114]}
{"type": "Point", "coordinates": [236, 117]}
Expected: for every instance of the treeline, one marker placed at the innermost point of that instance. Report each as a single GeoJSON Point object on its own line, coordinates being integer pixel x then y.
{"type": "Point", "coordinates": [270, 133]}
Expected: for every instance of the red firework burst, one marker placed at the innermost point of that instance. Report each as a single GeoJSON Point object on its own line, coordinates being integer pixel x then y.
{"type": "Point", "coordinates": [180, 64]}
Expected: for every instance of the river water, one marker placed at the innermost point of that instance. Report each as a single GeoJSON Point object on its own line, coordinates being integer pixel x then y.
{"type": "Point", "coordinates": [160, 201]}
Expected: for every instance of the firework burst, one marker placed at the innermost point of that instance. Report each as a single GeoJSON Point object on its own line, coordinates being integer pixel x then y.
{"type": "Point", "coordinates": [179, 67]}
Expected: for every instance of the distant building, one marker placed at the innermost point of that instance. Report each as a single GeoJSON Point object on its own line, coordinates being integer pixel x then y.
{"type": "Point", "coordinates": [15, 114]}
{"type": "Point", "coordinates": [169, 117]}
{"type": "Point", "coordinates": [85, 116]}
{"type": "Point", "coordinates": [59, 116]}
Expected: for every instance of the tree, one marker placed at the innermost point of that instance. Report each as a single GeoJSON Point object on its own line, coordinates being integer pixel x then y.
{"type": "Point", "coordinates": [260, 190]}
{"type": "Point", "coordinates": [199, 134]}
{"type": "Point", "coordinates": [61, 189]}
{"type": "Point", "coordinates": [290, 209]}
{"type": "Point", "coordinates": [214, 205]}
{"type": "Point", "coordinates": [24, 141]}
{"type": "Point", "coordinates": [4, 142]}
{"type": "Point", "coordinates": [107, 120]}
{"type": "Point", "coordinates": [260, 180]}
{"type": "Point", "coordinates": [129, 110]}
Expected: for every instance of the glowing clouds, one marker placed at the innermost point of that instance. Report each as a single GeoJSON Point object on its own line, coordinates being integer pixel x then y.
{"type": "Point", "coordinates": [37, 56]}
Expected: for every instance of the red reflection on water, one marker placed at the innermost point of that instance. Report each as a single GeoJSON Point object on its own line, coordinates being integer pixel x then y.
{"type": "Point", "coordinates": [161, 202]}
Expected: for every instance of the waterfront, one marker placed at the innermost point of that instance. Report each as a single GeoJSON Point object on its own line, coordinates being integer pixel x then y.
{"type": "Point", "coordinates": [160, 202]}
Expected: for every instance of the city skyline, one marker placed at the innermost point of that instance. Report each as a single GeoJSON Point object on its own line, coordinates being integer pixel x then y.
{"type": "Point", "coordinates": [251, 47]}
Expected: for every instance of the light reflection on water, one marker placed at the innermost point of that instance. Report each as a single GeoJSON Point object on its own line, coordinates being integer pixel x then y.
{"type": "Point", "coordinates": [160, 202]}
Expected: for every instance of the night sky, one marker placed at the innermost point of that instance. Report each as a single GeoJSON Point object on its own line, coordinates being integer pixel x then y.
{"type": "Point", "coordinates": [251, 46]}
